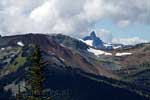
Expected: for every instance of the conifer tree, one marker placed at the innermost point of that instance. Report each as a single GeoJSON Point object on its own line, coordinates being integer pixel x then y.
{"type": "Point", "coordinates": [36, 78]}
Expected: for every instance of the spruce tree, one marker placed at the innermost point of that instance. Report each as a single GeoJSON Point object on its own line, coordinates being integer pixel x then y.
{"type": "Point", "coordinates": [36, 78]}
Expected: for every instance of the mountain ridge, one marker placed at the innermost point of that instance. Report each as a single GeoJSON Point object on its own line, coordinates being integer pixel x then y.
{"type": "Point", "coordinates": [68, 56]}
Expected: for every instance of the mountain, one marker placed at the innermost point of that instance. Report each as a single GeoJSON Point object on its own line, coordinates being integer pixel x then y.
{"type": "Point", "coordinates": [94, 40]}
{"type": "Point", "coordinates": [75, 70]}
{"type": "Point", "coordinates": [97, 42]}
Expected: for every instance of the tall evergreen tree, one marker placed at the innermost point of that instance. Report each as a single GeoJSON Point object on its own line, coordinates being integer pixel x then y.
{"type": "Point", "coordinates": [36, 78]}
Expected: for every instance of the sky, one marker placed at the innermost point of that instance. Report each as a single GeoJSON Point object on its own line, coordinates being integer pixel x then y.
{"type": "Point", "coordinates": [115, 21]}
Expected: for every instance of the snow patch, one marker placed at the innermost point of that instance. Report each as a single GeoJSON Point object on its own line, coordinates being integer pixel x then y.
{"type": "Point", "coordinates": [113, 46]}
{"type": "Point", "coordinates": [116, 47]}
{"type": "Point", "coordinates": [88, 42]}
{"type": "Point", "coordinates": [107, 45]}
{"type": "Point", "coordinates": [2, 49]}
{"type": "Point", "coordinates": [99, 52]}
{"type": "Point", "coordinates": [108, 54]}
{"type": "Point", "coordinates": [20, 43]}
{"type": "Point", "coordinates": [123, 54]}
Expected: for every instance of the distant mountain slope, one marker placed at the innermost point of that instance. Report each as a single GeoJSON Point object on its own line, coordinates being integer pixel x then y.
{"type": "Point", "coordinates": [70, 42]}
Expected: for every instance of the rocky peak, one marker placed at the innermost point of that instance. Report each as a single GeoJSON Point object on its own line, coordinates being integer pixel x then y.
{"type": "Point", "coordinates": [96, 41]}
{"type": "Point", "coordinates": [93, 34]}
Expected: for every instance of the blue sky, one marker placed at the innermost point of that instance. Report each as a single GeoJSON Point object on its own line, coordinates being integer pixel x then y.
{"type": "Point", "coordinates": [132, 30]}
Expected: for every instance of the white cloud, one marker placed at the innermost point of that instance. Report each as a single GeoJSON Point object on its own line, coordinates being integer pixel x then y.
{"type": "Point", "coordinates": [128, 41]}
{"type": "Point", "coordinates": [123, 23]}
{"type": "Point", "coordinates": [93, 9]}
{"type": "Point", "coordinates": [67, 16]}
